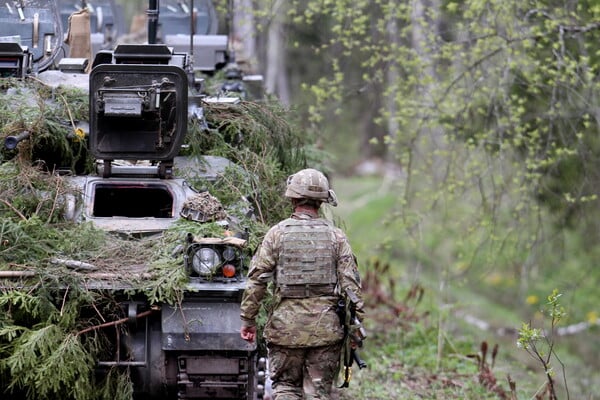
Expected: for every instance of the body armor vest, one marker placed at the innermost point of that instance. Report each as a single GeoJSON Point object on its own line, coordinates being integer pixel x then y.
{"type": "Point", "coordinates": [307, 263]}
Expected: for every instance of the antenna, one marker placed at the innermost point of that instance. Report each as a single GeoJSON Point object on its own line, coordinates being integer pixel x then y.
{"type": "Point", "coordinates": [230, 29]}
{"type": "Point", "coordinates": [152, 13]}
{"type": "Point", "coordinates": [192, 31]}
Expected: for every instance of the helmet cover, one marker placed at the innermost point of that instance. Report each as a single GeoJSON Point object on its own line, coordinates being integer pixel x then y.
{"type": "Point", "coordinates": [310, 184]}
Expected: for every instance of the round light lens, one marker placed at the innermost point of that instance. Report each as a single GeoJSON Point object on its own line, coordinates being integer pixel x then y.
{"type": "Point", "coordinates": [205, 260]}
{"type": "Point", "coordinates": [228, 271]}
{"type": "Point", "coordinates": [229, 253]}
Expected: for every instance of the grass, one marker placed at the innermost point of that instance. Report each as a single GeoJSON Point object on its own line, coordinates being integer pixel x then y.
{"type": "Point", "coordinates": [364, 206]}
{"type": "Point", "coordinates": [404, 362]}
{"type": "Point", "coordinates": [431, 353]}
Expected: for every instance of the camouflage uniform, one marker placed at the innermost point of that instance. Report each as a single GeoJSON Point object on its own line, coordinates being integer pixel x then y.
{"type": "Point", "coordinates": [303, 333]}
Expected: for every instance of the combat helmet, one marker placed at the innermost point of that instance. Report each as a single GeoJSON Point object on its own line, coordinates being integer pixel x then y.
{"type": "Point", "coordinates": [310, 184]}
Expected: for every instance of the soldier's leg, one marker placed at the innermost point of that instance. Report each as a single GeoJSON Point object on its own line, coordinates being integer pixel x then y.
{"type": "Point", "coordinates": [321, 368]}
{"type": "Point", "coordinates": [285, 370]}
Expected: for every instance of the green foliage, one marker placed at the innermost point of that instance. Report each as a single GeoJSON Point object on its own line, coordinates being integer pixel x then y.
{"type": "Point", "coordinates": [489, 112]}
{"type": "Point", "coordinates": [50, 116]}
{"type": "Point", "coordinates": [117, 386]}
{"type": "Point", "coordinates": [258, 138]}
{"type": "Point", "coordinates": [48, 343]}
{"type": "Point", "coordinates": [489, 105]}
{"type": "Point", "coordinates": [365, 210]}
{"type": "Point", "coordinates": [40, 347]}
{"type": "Point", "coordinates": [492, 287]}
{"type": "Point", "coordinates": [26, 191]}
{"type": "Point", "coordinates": [541, 345]}
{"type": "Point", "coordinates": [403, 363]}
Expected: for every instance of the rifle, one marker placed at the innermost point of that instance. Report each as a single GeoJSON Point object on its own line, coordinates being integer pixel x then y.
{"type": "Point", "coordinates": [353, 333]}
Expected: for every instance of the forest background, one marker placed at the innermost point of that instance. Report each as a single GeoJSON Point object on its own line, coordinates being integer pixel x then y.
{"type": "Point", "coordinates": [463, 143]}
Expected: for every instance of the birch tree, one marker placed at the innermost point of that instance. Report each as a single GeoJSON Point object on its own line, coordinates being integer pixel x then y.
{"type": "Point", "coordinates": [493, 120]}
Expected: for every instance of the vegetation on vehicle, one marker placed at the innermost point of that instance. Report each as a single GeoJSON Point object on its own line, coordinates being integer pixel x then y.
{"type": "Point", "coordinates": [53, 322]}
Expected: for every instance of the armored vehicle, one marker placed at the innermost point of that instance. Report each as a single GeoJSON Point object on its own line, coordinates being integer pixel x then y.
{"type": "Point", "coordinates": [141, 100]}
{"type": "Point", "coordinates": [139, 112]}
{"type": "Point", "coordinates": [30, 37]}
{"type": "Point", "coordinates": [33, 33]}
{"type": "Point", "coordinates": [194, 27]}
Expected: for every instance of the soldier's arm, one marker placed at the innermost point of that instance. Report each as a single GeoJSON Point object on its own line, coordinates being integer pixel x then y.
{"type": "Point", "coordinates": [348, 273]}
{"type": "Point", "coordinates": [261, 272]}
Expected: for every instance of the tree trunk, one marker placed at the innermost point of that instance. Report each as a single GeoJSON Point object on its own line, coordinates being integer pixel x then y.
{"type": "Point", "coordinates": [243, 36]}
{"type": "Point", "coordinates": [276, 80]}
{"type": "Point", "coordinates": [392, 78]}
{"type": "Point", "coordinates": [429, 140]}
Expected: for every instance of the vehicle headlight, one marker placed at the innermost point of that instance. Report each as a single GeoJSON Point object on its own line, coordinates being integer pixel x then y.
{"type": "Point", "coordinates": [205, 260]}
{"type": "Point", "coordinates": [229, 254]}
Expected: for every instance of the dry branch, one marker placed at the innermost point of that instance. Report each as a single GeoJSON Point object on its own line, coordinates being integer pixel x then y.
{"type": "Point", "coordinates": [14, 209]}
{"type": "Point", "coordinates": [16, 274]}
{"type": "Point", "coordinates": [117, 322]}
{"type": "Point", "coordinates": [74, 264]}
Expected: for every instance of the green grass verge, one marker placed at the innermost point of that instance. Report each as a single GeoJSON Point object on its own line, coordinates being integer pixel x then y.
{"type": "Point", "coordinates": [429, 358]}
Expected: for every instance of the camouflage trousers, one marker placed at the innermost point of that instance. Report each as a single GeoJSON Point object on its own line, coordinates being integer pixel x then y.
{"type": "Point", "coordinates": [306, 373]}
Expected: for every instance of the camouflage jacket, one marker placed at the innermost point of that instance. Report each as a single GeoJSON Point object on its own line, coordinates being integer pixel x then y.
{"type": "Point", "coordinates": [298, 322]}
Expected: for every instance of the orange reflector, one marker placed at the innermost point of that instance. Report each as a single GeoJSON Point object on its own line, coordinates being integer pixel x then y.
{"type": "Point", "coordinates": [228, 271]}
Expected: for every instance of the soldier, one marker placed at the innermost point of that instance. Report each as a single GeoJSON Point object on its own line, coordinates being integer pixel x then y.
{"type": "Point", "coordinates": [311, 264]}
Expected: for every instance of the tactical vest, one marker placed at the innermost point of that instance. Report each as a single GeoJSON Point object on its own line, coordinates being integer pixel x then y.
{"type": "Point", "coordinates": [307, 264]}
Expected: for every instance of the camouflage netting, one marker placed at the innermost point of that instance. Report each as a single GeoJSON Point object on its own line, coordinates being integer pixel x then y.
{"type": "Point", "coordinates": [49, 339]}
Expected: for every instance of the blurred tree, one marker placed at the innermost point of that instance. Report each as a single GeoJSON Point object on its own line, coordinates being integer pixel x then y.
{"type": "Point", "coordinates": [497, 95]}
{"type": "Point", "coordinates": [275, 59]}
